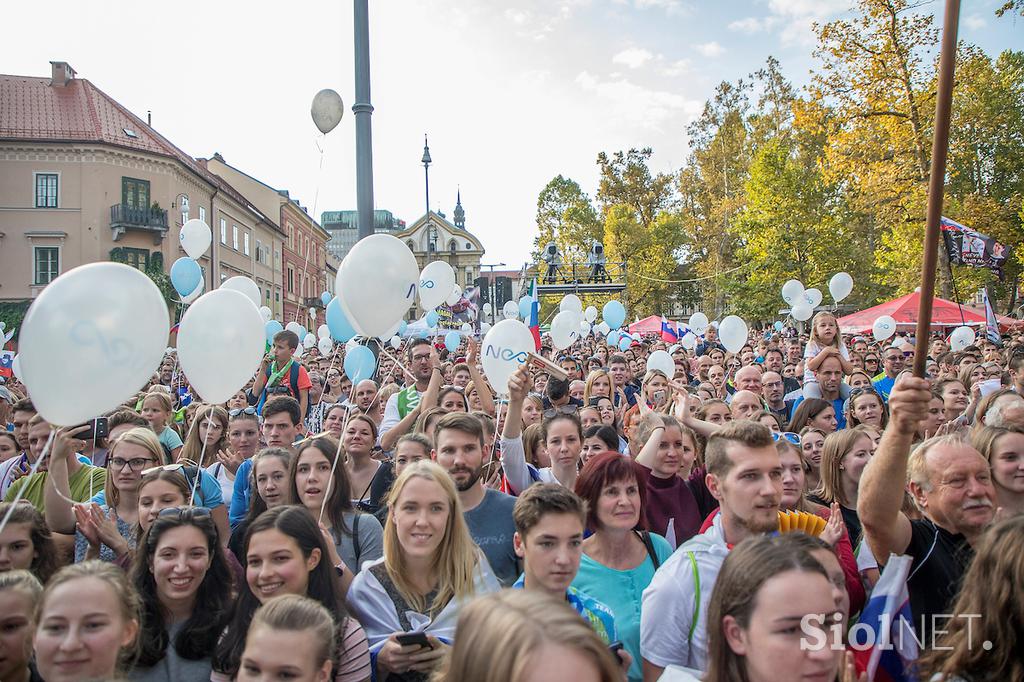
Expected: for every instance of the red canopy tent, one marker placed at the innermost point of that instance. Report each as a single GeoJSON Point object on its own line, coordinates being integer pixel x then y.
{"type": "Point", "coordinates": [945, 314]}
{"type": "Point", "coordinates": [649, 325]}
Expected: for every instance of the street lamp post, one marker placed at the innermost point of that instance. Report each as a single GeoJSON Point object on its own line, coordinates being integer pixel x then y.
{"type": "Point", "coordinates": [362, 110]}
{"type": "Point", "coordinates": [492, 288]}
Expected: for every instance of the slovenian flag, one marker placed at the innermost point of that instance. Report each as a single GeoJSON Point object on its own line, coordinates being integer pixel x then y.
{"type": "Point", "coordinates": [668, 332]}
{"type": "Point", "coordinates": [534, 322]}
{"type": "Point", "coordinates": [884, 642]}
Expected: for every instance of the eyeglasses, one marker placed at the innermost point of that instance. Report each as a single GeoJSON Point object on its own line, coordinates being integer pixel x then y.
{"type": "Point", "coordinates": [873, 361]}
{"type": "Point", "coordinates": [793, 438]}
{"type": "Point", "coordinates": [241, 410]}
{"type": "Point", "coordinates": [185, 513]}
{"type": "Point", "coordinates": [908, 353]}
{"type": "Point", "coordinates": [134, 464]}
{"type": "Point", "coordinates": [553, 412]}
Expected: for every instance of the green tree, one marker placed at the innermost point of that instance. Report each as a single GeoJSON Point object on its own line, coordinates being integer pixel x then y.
{"type": "Point", "coordinates": [566, 216]}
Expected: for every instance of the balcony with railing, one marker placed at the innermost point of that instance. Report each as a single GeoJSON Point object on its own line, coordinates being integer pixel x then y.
{"type": "Point", "coordinates": [152, 221]}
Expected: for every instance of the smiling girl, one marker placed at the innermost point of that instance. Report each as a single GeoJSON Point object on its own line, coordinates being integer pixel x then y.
{"type": "Point", "coordinates": [158, 410]}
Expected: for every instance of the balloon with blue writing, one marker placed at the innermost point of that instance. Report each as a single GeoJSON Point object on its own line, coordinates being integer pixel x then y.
{"type": "Point", "coordinates": [452, 340]}
{"type": "Point", "coordinates": [840, 286]}
{"type": "Point", "coordinates": [325, 298]}
{"type": "Point", "coordinates": [271, 329]}
{"type": "Point", "coordinates": [327, 110]}
{"type": "Point", "coordinates": [455, 296]}
{"type": "Point", "coordinates": [510, 310]}
{"type": "Point", "coordinates": [376, 283]}
{"type": "Point", "coordinates": [360, 364]}
{"type": "Point", "coordinates": [90, 340]}
{"type": "Point", "coordinates": [323, 332]}
{"type": "Point", "coordinates": [792, 291]}
{"type": "Point", "coordinates": [505, 348]}
{"type": "Point", "coordinates": [325, 345]}
{"type": "Point", "coordinates": [338, 324]}
{"type": "Point", "coordinates": [961, 338]}
{"type": "Point", "coordinates": [565, 329]}
{"type": "Point", "coordinates": [884, 327]}
{"type": "Point", "coordinates": [185, 275]}
{"type": "Point", "coordinates": [195, 237]}
{"type": "Point", "coordinates": [437, 281]}
{"type": "Point", "coordinates": [220, 344]}
{"type": "Point", "coordinates": [614, 314]}
{"type": "Point", "coordinates": [309, 340]}
{"type": "Point", "coordinates": [431, 318]}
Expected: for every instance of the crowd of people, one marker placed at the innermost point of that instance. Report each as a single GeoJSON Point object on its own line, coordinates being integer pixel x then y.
{"type": "Point", "coordinates": [606, 522]}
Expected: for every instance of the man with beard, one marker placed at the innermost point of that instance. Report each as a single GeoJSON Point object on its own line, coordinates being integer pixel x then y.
{"type": "Point", "coordinates": [744, 473]}
{"type": "Point", "coordinates": [459, 448]}
{"type": "Point", "coordinates": [400, 412]}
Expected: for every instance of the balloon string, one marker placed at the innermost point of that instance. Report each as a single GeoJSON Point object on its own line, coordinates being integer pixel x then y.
{"type": "Point", "coordinates": [337, 456]}
{"type": "Point", "coordinates": [202, 456]}
{"type": "Point", "coordinates": [312, 217]}
{"type": "Point", "coordinates": [397, 362]}
{"type": "Point", "coordinates": [334, 357]}
{"type": "Point", "coordinates": [21, 489]}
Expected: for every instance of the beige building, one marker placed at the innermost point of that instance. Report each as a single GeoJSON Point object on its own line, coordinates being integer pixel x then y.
{"type": "Point", "coordinates": [82, 179]}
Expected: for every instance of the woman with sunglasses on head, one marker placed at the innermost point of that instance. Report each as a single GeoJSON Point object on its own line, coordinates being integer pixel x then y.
{"type": "Point", "coordinates": [858, 379]}
{"type": "Point", "coordinates": [118, 510]}
{"type": "Point", "coordinates": [88, 624]}
{"type": "Point", "coordinates": [370, 479]}
{"type": "Point", "coordinates": [184, 581]}
{"type": "Point", "coordinates": [243, 439]}
{"type": "Point", "coordinates": [269, 474]}
{"type": "Point", "coordinates": [324, 490]}
{"type": "Point", "coordinates": [286, 554]}
{"type": "Point", "coordinates": [430, 570]}
{"type": "Point", "coordinates": [26, 543]}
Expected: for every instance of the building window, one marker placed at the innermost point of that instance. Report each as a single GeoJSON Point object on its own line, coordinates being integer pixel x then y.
{"type": "Point", "coordinates": [291, 280]}
{"type": "Point", "coordinates": [223, 231]}
{"type": "Point", "coordinates": [259, 252]}
{"type": "Point", "coordinates": [202, 213]}
{"type": "Point", "coordinates": [268, 295]}
{"type": "Point", "coordinates": [137, 258]}
{"type": "Point", "coordinates": [47, 264]}
{"type": "Point", "coordinates": [135, 193]}
{"type": "Point", "coordinates": [234, 236]}
{"type": "Point", "coordinates": [184, 217]}
{"type": "Point", "coordinates": [46, 190]}
{"type": "Point", "coordinates": [245, 243]}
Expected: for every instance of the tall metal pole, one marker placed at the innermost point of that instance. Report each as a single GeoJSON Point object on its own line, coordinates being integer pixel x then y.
{"type": "Point", "coordinates": [362, 110]}
{"type": "Point", "coordinates": [936, 182]}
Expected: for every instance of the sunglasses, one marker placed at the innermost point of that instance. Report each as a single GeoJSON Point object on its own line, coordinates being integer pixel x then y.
{"type": "Point", "coordinates": [793, 438]}
{"type": "Point", "coordinates": [184, 513]}
{"type": "Point", "coordinates": [242, 410]}
{"type": "Point", "coordinates": [553, 412]}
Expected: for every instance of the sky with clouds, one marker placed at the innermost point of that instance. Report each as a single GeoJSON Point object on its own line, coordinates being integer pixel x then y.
{"type": "Point", "coordinates": [511, 93]}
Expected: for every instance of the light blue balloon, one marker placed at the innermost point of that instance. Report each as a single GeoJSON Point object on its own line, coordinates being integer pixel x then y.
{"type": "Point", "coordinates": [778, 326]}
{"type": "Point", "coordinates": [402, 326]}
{"type": "Point", "coordinates": [325, 298]}
{"type": "Point", "coordinates": [360, 364]}
{"type": "Point", "coordinates": [272, 327]}
{"type": "Point", "coordinates": [452, 340]}
{"type": "Point", "coordinates": [613, 338]}
{"type": "Point", "coordinates": [624, 342]}
{"type": "Point", "coordinates": [525, 305]}
{"type": "Point", "coordinates": [302, 332]}
{"type": "Point", "coordinates": [614, 314]}
{"type": "Point", "coordinates": [186, 275]}
{"type": "Point", "coordinates": [423, 333]}
{"type": "Point", "coordinates": [339, 326]}
{"type": "Point", "coordinates": [432, 318]}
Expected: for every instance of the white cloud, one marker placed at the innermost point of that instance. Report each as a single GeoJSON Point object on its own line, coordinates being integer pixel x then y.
{"type": "Point", "coordinates": [676, 68]}
{"type": "Point", "coordinates": [711, 49]}
{"type": "Point", "coordinates": [633, 57]}
{"type": "Point", "coordinates": [636, 105]}
{"type": "Point", "coordinates": [798, 16]}
{"type": "Point", "coordinates": [751, 25]}
{"type": "Point", "coordinates": [669, 6]}
{"type": "Point", "coordinates": [974, 22]}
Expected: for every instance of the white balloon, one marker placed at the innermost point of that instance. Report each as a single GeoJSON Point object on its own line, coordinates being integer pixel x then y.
{"type": "Point", "coordinates": [195, 238]}
{"type": "Point", "coordinates": [396, 342]}
{"type": "Point", "coordinates": [220, 344]}
{"type": "Point", "coordinates": [377, 283]}
{"type": "Point", "coordinates": [884, 327]}
{"type": "Point", "coordinates": [504, 350]}
{"type": "Point", "coordinates": [267, 313]}
{"type": "Point", "coordinates": [244, 285]}
{"type": "Point", "coordinates": [840, 286]}
{"type": "Point", "coordinates": [510, 310]}
{"type": "Point", "coordinates": [391, 332]}
{"type": "Point", "coordinates": [792, 291]}
{"type": "Point", "coordinates": [455, 296]}
{"type": "Point", "coordinates": [590, 314]}
{"type": "Point", "coordinates": [196, 293]}
{"type": "Point", "coordinates": [812, 297]}
{"type": "Point", "coordinates": [323, 332]}
{"type": "Point", "coordinates": [90, 340]}
{"type": "Point", "coordinates": [309, 341]}
{"type": "Point", "coordinates": [602, 328]}
{"type": "Point", "coordinates": [801, 312]}
{"type": "Point", "coordinates": [295, 328]}
{"type": "Point", "coordinates": [689, 341]}
{"type": "Point", "coordinates": [352, 343]}
{"type": "Point", "coordinates": [485, 327]}
{"type": "Point", "coordinates": [437, 283]}
{"type": "Point", "coordinates": [312, 313]}
{"type": "Point", "coordinates": [466, 328]}
{"type": "Point", "coordinates": [584, 328]}
{"type": "Point", "coordinates": [327, 110]}
{"type": "Point", "coordinates": [733, 333]}
{"type": "Point", "coordinates": [961, 338]}
{"type": "Point", "coordinates": [662, 361]}
{"type": "Point", "coordinates": [699, 323]}
{"type": "Point", "coordinates": [571, 302]}
{"type": "Point", "coordinates": [16, 368]}
{"type": "Point", "coordinates": [565, 329]}
{"type": "Point", "coordinates": [325, 345]}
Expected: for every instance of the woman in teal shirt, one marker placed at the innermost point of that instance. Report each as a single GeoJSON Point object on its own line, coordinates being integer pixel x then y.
{"type": "Point", "coordinates": [619, 558]}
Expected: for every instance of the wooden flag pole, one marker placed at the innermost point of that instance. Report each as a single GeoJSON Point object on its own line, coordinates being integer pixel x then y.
{"type": "Point", "coordinates": [936, 182]}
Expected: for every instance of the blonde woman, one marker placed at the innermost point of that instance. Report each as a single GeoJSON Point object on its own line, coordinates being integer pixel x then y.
{"type": "Point", "coordinates": [19, 597]}
{"type": "Point", "coordinates": [600, 383]}
{"type": "Point", "coordinates": [430, 569]}
{"type": "Point", "coordinates": [513, 635]}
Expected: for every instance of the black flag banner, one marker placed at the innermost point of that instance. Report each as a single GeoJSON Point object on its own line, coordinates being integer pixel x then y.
{"type": "Point", "coordinates": [973, 249]}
